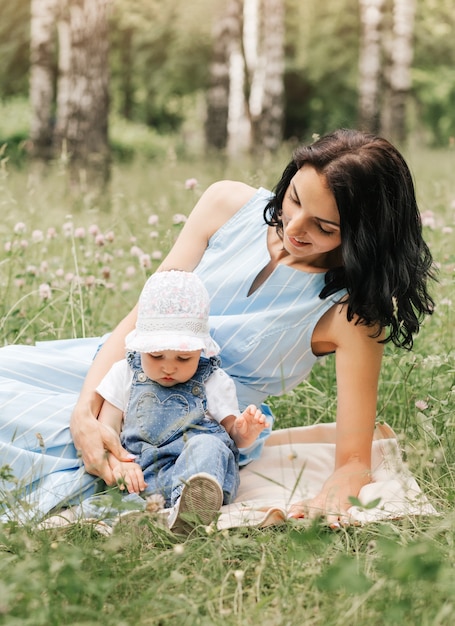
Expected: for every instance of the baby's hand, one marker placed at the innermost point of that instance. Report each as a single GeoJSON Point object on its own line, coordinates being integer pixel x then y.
{"type": "Point", "coordinates": [129, 476]}
{"type": "Point", "coordinates": [249, 426]}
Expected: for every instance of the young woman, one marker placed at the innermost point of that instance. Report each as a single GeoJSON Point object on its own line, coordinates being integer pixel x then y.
{"type": "Point", "coordinates": [333, 262]}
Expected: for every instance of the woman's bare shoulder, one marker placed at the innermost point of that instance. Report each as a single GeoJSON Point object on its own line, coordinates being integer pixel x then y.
{"type": "Point", "coordinates": [228, 195]}
{"type": "Point", "coordinates": [214, 208]}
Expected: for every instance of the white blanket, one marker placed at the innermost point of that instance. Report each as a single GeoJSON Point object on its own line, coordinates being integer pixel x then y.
{"type": "Point", "coordinates": [294, 465]}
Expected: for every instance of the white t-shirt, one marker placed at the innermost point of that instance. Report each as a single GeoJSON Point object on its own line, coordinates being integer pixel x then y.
{"type": "Point", "coordinates": [219, 388]}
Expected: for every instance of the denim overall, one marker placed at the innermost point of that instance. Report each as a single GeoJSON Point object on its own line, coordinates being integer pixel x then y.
{"type": "Point", "coordinates": [166, 428]}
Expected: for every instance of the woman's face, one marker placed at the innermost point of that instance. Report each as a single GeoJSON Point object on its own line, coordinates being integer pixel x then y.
{"type": "Point", "coordinates": [311, 222]}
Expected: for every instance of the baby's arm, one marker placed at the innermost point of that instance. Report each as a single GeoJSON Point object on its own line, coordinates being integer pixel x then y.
{"type": "Point", "coordinates": [246, 428]}
{"type": "Point", "coordinates": [127, 474]}
{"type": "Point", "coordinates": [111, 417]}
{"type": "Point", "coordinates": [223, 406]}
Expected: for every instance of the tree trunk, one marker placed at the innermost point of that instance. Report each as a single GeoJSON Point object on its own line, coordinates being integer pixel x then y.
{"type": "Point", "coordinates": [246, 96]}
{"type": "Point", "coordinates": [399, 75]}
{"type": "Point", "coordinates": [42, 76]}
{"type": "Point", "coordinates": [370, 64]}
{"type": "Point", "coordinates": [239, 124]}
{"type": "Point", "coordinates": [81, 133]}
{"type": "Point", "coordinates": [226, 34]}
{"type": "Point", "coordinates": [268, 122]}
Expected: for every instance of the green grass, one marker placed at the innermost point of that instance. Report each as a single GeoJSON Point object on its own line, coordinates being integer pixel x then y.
{"type": "Point", "coordinates": [388, 573]}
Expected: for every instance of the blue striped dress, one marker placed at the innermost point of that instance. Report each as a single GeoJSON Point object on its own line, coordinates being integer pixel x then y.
{"type": "Point", "coordinates": [265, 337]}
{"type": "Point", "coordinates": [265, 341]}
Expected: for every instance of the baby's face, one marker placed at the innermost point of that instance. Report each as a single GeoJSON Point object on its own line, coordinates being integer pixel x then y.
{"type": "Point", "coordinates": [170, 367]}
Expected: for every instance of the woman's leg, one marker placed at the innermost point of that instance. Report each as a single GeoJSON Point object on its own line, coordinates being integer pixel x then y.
{"type": "Point", "coordinates": [38, 388]}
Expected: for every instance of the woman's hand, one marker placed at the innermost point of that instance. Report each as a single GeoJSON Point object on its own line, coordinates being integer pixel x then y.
{"type": "Point", "coordinates": [332, 502]}
{"type": "Point", "coordinates": [92, 439]}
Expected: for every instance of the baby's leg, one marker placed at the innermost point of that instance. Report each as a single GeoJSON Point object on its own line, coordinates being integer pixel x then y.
{"type": "Point", "coordinates": [208, 454]}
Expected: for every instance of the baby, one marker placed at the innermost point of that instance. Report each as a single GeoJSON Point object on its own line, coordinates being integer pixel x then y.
{"type": "Point", "coordinates": [175, 409]}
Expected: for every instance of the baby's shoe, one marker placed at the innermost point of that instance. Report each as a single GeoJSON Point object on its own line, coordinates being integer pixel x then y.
{"type": "Point", "coordinates": [199, 503]}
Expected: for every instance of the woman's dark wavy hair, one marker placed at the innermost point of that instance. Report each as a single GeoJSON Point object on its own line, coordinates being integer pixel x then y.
{"type": "Point", "coordinates": [386, 262]}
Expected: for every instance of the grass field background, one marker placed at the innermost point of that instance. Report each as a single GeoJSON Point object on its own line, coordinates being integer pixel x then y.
{"type": "Point", "coordinates": [72, 266]}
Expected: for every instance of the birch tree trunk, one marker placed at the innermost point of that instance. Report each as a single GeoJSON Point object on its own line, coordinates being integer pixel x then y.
{"type": "Point", "coordinates": [242, 49]}
{"type": "Point", "coordinates": [399, 75]}
{"type": "Point", "coordinates": [81, 132]}
{"type": "Point", "coordinates": [245, 105]}
{"type": "Point", "coordinates": [239, 126]}
{"type": "Point", "coordinates": [371, 15]}
{"type": "Point", "coordinates": [43, 37]}
{"type": "Point", "coordinates": [268, 111]}
{"type": "Point", "coordinates": [263, 60]}
{"type": "Point", "coordinates": [226, 35]}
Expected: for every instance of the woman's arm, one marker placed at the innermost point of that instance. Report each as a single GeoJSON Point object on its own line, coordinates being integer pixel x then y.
{"type": "Point", "coordinates": [90, 437]}
{"type": "Point", "coordinates": [358, 362]}
{"type": "Point", "coordinates": [215, 207]}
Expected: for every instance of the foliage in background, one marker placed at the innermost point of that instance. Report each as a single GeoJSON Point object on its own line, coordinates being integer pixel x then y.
{"type": "Point", "coordinates": [322, 66]}
{"type": "Point", "coordinates": [160, 55]}
{"type": "Point", "coordinates": [14, 47]}
{"type": "Point", "coordinates": [433, 70]}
